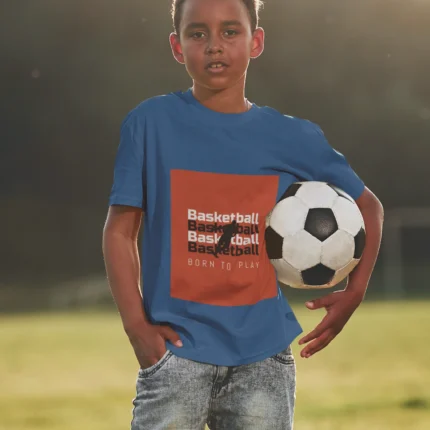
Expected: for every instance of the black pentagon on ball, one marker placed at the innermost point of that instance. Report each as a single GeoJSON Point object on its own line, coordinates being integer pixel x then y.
{"type": "Point", "coordinates": [321, 223]}
{"type": "Point", "coordinates": [291, 191]}
{"type": "Point", "coordinates": [360, 242]}
{"type": "Point", "coordinates": [273, 244]}
{"type": "Point", "coordinates": [318, 275]}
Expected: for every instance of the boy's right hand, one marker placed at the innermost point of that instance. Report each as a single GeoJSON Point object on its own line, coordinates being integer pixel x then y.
{"type": "Point", "coordinates": [148, 342]}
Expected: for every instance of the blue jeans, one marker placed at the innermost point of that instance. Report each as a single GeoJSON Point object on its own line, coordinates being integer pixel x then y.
{"type": "Point", "coordinates": [181, 394]}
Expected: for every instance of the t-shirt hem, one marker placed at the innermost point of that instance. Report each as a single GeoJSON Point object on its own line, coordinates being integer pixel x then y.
{"type": "Point", "coordinates": [125, 201]}
{"type": "Point", "coordinates": [202, 355]}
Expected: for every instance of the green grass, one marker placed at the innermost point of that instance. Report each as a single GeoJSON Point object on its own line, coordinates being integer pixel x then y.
{"type": "Point", "coordinates": [77, 372]}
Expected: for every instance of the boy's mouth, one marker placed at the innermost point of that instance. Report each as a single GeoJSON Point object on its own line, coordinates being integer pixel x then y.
{"type": "Point", "coordinates": [216, 65]}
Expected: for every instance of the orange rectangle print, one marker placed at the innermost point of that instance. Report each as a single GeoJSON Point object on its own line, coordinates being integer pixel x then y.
{"type": "Point", "coordinates": [218, 253]}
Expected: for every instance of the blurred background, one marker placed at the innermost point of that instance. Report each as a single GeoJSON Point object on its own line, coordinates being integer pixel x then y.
{"type": "Point", "coordinates": [70, 72]}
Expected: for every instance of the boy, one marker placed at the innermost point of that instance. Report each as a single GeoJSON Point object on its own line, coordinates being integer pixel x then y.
{"type": "Point", "coordinates": [213, 331]}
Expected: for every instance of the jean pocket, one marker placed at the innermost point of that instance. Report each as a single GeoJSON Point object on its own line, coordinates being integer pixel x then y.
{"type": "Point", "coordinates": [149, 371]}
{"type": "Point", "coordinates": [285, 356]}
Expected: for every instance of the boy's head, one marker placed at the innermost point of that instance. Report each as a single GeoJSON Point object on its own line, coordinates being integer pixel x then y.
{"type": "Point", "coordinates": [210, 31]}
{"type": "Point", "coordinates": [253, 7]}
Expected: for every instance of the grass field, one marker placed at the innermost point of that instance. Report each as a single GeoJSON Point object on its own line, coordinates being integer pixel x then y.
{"type": "Point", "coordinates": [77, 372]}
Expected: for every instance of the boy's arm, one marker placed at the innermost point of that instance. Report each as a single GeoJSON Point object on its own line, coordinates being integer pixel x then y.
{"type": "Point", "coordinates": [120, 250]}
{"type": "Point", "coordinates": [121, 256]}
{"type": "Point", "coordinates": [373, 215]}
{"type": "Point", "coordinates": [340, 305]}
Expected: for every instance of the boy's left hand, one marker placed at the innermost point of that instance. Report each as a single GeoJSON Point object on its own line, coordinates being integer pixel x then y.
{"type": "Point", "coordinates": [340, 305]}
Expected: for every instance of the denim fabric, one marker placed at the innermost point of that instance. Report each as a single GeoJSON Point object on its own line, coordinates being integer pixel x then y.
{"type": "Point", "coordinates": [181, 394]}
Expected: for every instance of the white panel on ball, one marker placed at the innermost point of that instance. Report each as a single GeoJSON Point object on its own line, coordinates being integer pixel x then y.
{"type": "Point", "coordinates": [289, 216]}
{"type": "Point", "coordinates": [341, 192]}
{"type": "Point", "coordinates": [348, 216]}
{"type": "Point", "coordinates": [302, 250]}
{"type": "Point", "coordinates": [338, 250]}
{"type": "Point", "coordinates": [344, 272]}
{"type": "Point", "coordinates": [286, 273]}
{"type": "Point", "coordinates": [317, 195]}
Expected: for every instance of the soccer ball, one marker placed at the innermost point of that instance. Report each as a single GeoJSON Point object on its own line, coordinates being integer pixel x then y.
{"type": "Point", "coordinates": [315, 235]}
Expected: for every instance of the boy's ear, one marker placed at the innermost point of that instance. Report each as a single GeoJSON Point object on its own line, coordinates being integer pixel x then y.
{"type": "Point", "coordinates": [175, 44]}
{"type": "Point", "coordinates": [257, 47]}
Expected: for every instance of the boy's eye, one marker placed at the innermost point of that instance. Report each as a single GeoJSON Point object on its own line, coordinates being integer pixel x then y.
{"type": "Point", "coordinates": [231, 32]}
{"type": "Point", "coordinates": [197, 35]}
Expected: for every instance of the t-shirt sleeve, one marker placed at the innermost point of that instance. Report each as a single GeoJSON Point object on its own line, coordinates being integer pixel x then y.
{"type": "Point", "coordinates": [129, 183]}
{"type": "Point", "coordinates": [333, 168]}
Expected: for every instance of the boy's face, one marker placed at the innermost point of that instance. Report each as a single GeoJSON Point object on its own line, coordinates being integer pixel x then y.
{"type": "Point", "coordinates": [214, 31]}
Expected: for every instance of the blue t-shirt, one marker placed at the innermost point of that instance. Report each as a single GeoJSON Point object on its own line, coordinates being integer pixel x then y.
{"type": "Point", "coordinates": [193, 171]}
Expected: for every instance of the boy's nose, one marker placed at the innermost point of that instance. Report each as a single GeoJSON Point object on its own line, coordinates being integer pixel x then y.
{"type": "Point", "coordinates": [214, 46]}
{"type": "Point", "coordinates": [215, 50]}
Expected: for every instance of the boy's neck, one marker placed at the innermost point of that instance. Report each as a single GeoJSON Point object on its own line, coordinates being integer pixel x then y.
{"type": "Point", "coordinates": [229, 100]}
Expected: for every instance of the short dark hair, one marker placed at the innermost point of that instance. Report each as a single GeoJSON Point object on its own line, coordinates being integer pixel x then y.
{"type": "Point", "coordinates": [253, 6]}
